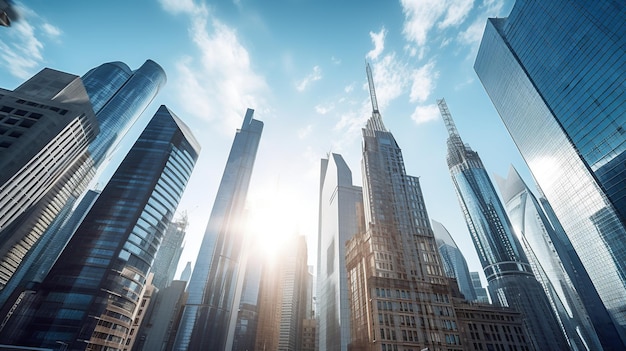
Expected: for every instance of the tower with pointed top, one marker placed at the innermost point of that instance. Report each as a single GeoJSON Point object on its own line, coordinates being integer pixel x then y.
{"type": "Point", "coordinates": [399, 295]}
{"type": "Point", "coordinates": [511, 280]}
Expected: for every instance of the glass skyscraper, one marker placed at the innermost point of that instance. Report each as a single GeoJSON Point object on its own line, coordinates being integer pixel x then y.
{"type": "Point", "coordinates": [90, 297]}
{"type": "Point", "coordinates": [118, 97]}
{"type": "Point", "coordinates": [454, 264]}
{"type": "Point", "coordinates": [555, 72]}
{"type": "Point", "coordinates": [209, 317]}
{"type": "Point", "coordinates": [508, 272]}
{"type": "Point", "coordinates": [166, 260]}
{"type": "Point", "coordinates": [549, 259]}
{"type": "Point", "coordinates": [339, 204]}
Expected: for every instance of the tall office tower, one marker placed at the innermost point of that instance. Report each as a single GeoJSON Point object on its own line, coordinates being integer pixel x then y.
{"type": "Point", "coordinates": [549, 258]}
{"type": "Point", "coordinates": [511, 280]}
{"type": "Point", "coordinates": [46, 125]}
{"type": "Point", "coordinates": [119, 97]}
{"type": "Point", "coordinates": [399, 295]}
{"type": "Point", "coordinates": [166, 260]}
{"type": "Point", "coordinates": [454, 264]}
{"type": "Point", "coordinates": [283, 298]}
{"type": "Point", "coordinates": [207, 318]}
{"type": "Point", "coordinates": [91, 296]}
{"type": "Point", "coordinates": [340, 212]}
{"type": "Point", "coordinates": [247, 315]}
{"type": "Point", "coordinates": [481, 293]}
{"type": "Point", "coordinates": [555, 74]}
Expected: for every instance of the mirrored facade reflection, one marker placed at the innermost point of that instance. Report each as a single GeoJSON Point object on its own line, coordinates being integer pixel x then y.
{"type": "Point", "coordinates": [207, 322]}
{"type": "Point", "coordinates": [91, 295]}
{"type": "Point", "coordinates": [340, 203]}
{"type": "Point", "coordinates": [543, 249]}
{"type": "Point", "coordinates": [555, 72]}
{"type": "Point", "coordinates": [454, 264]}
{"type": "Point", "coordinates": [508, 272]}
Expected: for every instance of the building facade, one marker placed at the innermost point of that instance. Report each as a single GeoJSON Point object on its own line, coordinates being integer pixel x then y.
{"type": "Point", "coordinates": [508, 272]}
{"type": "Point", "coordinates": [555, 73]}
{"type": "Point", "coordinates": [46, 125]}
{"type": "Point", "coordinates": [166, 260]}
{"type": "Point", "coordinates": [339, 205]}
{"type": "Point", "coordinates": [549, 260]}
{"type": "Point", "coordinates": [454, 264]}
{"type": "Point", "coordinates": [481, 293]}
{"type": "Point", "coordinates": [118, 97]}
{"type": "Point", "coordinates": [399, 296]}
{"type": "Point", "coordinates": [283, 298]}
{"type": "Point", "coordinates": [92, 295]}
{"type": "Point", "coordinates": [207, 321]}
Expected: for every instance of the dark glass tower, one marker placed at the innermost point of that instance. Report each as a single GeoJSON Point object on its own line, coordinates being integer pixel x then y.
{"type": "Point", "coordinates": [555, 72]}
{"type": "Point", "coordinates": [511, 280]}
{"type": "Point", "coordinates": [552, 265]}
{"type": "Point", "coordinates": [454, 264]}
{"type": "Point", "coordinates": [118, 96]}
{"type": "Point", "coordinates": [90, 297]}
{"type": "Point", "coordinates": [209, 317]}
{"type": "Point", "coordinates": [340, 203]}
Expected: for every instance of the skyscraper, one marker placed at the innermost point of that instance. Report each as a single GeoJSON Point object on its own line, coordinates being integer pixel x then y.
{"type": "Point", "coordinates": [166, 260]}
{"type": "Point", "coordinates": [481, 293]}
{"type": "Point", "coordinates": [340, 213]}
{"type": "Point", "coordinates": [555, 73]}
{"type": "Point", "coordinates": [454, 264]}
{"type": "Point", "coordinates": [544, 250]}
{"type": "Point", "coordinates": [91, 295]}
{"type": "Point", "coordinates": [282, 300]}
{"type": "Point", "coordinates": [46, 125]}
{"type": "Point", "coordinates": [510, 278]}
{"type": "Point", "coordinates": [399, 295]}
{"type": "Point", "coordinates": [207, 321]}
{"type": "Point", "coordinates": [118, 96]}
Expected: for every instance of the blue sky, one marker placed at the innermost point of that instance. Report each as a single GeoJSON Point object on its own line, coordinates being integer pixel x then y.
{"type": "Point", "coordinates": [301, 65]}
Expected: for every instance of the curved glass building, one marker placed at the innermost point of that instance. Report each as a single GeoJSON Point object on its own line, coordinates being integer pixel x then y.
{"type": "Point", "coordinates": [555, 72]}
{"type": "Point", "coordinates": [508, 272]}
{"type": "Point", "coordinates": [454, 264]}
{"type": "Point", "coordinates": [549, 259]}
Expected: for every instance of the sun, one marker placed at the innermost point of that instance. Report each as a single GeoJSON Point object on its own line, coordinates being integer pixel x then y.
{"type": "Point", "coordinates": [272, 218]}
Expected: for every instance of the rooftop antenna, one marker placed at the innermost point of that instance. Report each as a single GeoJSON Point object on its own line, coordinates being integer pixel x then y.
{"type": "Point", "coordinates": [447, 118]}
{"type": "Point", "coordinates": [370, 81]}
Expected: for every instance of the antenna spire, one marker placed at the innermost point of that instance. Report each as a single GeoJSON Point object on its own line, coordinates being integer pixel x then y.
{"type": "Point", "coordinates": [370, 80]}
{"type": "Point", "coordinates": [447, 118]}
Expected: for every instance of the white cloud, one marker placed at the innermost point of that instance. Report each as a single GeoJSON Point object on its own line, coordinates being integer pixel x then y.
{"type": "Point", "coordinates": [349, 88]}
{"type": "Point", "coordinates": [423, 114]}
{"type": "Point", "coordinates": [335, 60]}
{"type": "Point", "coordinates": [311, 77]}
{"type": "Point", "coordinates": [304, 132]}
{"type": "Point", "coordinates": [423, 82]}
{"type": "Point", "coordinates": [21, 47]}
{"type": "Point", "coordinates": [23, 51]}
{"type": "Point", "coordinates": [378, 39]}
{"type": "Point", "coordinates": [181, 6]}
{"type": "Point", "coordinates": [391, 77]}
{"type": "Point", "coordinates": [223, 61]}
{"type": "Point", "coordinates": [322, 110]}
{"type": "Point", "coordinates": [457, 11]}
{"type": "Point", "coordinates": [474, 33]}
{"type": "Point", "coordinates": [420, 17]}
{"type": "Point", "coordinates": [51, 30]}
